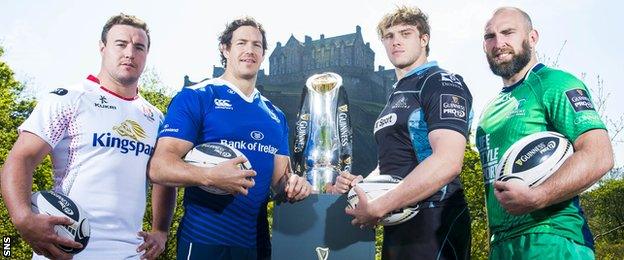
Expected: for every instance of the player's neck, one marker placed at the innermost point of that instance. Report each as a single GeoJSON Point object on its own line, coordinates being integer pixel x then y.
{"type": "Point", "coordinates": [247, 86]}
{"type": "Point", "coordinates": [126, 91]}
{"type": "Point", "coordinates": [521, 74]}
{"type": "Point", "coordinates": [401, 72]}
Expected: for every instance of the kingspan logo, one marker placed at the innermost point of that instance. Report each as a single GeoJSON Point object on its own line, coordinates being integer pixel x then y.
{"type": "Point", "coordinates": [134, 133]}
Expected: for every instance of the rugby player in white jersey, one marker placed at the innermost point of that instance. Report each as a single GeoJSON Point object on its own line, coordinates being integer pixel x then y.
{"type": "Point", "coordinates": [100, 134]}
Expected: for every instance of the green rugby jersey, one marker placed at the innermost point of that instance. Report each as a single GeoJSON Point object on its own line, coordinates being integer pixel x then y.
{"type": "Point", "coordinates": [546, 100]}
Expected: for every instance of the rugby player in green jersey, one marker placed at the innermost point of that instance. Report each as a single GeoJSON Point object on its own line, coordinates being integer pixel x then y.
{"type": "Point", "coordinates": [545, 220]}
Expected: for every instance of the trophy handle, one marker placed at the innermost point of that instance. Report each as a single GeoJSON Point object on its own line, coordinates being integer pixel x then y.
{"type": "Point", "coordinates": [301, 134]}
{"type": "Point", "coordinates": [345, 131]}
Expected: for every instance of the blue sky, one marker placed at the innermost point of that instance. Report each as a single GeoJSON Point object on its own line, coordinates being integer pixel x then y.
{"type": "Point", "coordinates": [51, 43]}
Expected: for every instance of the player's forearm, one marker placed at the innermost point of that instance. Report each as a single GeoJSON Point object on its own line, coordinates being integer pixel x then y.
{"type": "Point", "coordinates": [163, 207]}
{"type": "Point", "coordinates": [422, 182]}
{"type": "Point", "coordinates": [168, 169]}
{"type": "Point", "coordinates": [584, 168]}
{"type": "Point", "coordinates": [17, 178]}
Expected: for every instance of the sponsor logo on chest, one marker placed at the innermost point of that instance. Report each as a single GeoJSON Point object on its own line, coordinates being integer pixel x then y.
{"type": "Point", "coordinates": [223, 104]}
{"type": "Point", "coordinates": [103, 103]}
{"type": "Point", "coordinates": [385, 121]}
{"type": "Point", "coordinates": [128, 137]}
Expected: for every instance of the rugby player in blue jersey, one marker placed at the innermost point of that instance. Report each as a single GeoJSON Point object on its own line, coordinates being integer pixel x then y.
{"type": "Point", "coordinates": [228, 110]}
{"type": "Point", "coordinates": [421, 135]}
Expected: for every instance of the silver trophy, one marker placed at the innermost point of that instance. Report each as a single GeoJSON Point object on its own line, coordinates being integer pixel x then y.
{"type": "Point", "coordinates": [323, 139]}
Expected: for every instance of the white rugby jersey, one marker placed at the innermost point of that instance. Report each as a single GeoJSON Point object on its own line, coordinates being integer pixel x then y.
{"type": "Point", "coordinates": [101, 143]}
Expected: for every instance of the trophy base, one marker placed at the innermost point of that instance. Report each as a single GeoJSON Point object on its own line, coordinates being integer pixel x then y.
{"type": "Point", "coordinates": [318, 228]}
{"type": "Point", "coordinates": [322, 179]}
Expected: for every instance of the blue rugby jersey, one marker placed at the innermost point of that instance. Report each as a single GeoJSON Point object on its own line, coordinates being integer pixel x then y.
{"type": "Point", "coordinates": [216, 111]}
{"type": "Point", "coordinates": [427, 98]}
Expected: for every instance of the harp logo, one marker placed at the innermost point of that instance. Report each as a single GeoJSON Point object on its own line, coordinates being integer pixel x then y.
{"type": "Point", "coordinates": [322, 252]}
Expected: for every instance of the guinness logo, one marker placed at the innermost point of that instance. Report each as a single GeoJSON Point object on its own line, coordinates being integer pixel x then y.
{"type": "Point", "coordinates": [343, 108]}
{"type": "Point", "coordinates": [580, 92]}
{"type": "Point", "coordinates": [455, 99]}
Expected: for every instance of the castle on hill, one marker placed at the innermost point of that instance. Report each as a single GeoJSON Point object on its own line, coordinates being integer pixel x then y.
{"type": "Point", "coordinates": [348, 55]}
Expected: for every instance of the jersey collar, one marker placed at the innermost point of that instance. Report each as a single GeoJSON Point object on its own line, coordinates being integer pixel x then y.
{"type": "Point", "coordinates": [535, 68]}
{"type": "Point", "coordinates": [223, 82]}
{"type": "Point", "coordinates": [95, 80]}
{"type": "Point", "coordinates": [418, 70]}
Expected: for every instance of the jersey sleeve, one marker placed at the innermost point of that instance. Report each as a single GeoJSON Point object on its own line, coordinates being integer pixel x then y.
{"type": "Point", "coordinates": [52, 116]}
{"type": "Point", "coordinates": [283, 144]}
{"type": "Point", "coordinates": [447, 103]}
{"type": "Point", "coordinates": [569, 105]}
{"type": "Point", "coordinates": [184, 117]}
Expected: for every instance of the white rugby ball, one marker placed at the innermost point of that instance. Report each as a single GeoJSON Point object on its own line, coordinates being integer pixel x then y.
{"type": "Point", "coordinates": [210, 154]}
{"type": "Point", "coordinates": [55, 204]}
{"type": "Point", "coordinates": [376, 186]}
{"type": "Point", "coordinates": [534, 158]}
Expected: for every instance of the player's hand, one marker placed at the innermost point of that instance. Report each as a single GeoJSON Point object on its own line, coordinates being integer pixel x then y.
{"type": "Point", "coordinates": [297, 188]}
{"type": "Point", "coordinates": [153, 244]}
{"type": "Point", "coordinates": [229, 177]}
{"type": "Point", "coordinates": [38, 231]}
{"type": "Point", "coordinates": [516, 197]}
{"type": "Point", "coordinates": [365, 214]}
{"type": "Point", "coordinates": [345, 181]}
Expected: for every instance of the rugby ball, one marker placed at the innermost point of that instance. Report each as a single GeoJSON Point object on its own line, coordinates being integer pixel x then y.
{"type": "Point", "coordinates": [56, 204]}
{"type": "Point", "coordinates": [210, 154]}
{"type": "Point", "coordinates": [376, 186]}
{"type": "Point", "coordinates": [534, 158]}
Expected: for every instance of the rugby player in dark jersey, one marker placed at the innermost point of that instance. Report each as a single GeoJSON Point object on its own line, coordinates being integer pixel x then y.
{"type": "Point", "coordinates": [421, 136]}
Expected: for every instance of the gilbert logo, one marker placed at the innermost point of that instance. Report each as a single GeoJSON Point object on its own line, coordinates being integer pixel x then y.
{"type": "Point", "coordinates": [322, 252]}
{"type": "Point", "coordinates": [130, 129]}
{"type": "Point", "coordinates": [222, 104]}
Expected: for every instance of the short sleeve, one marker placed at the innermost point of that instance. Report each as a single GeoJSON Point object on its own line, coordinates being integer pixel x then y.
{"type": "Point", "coordinates": [283, 142]}
{"type": "Point", "coordinates": [446, 103]}
{"type": "Point", "coordinates": [52, 116]}
{"type": "Point", "coordinates": [184, 116]}
{"type": "Point", "coordinates": [569, 105]}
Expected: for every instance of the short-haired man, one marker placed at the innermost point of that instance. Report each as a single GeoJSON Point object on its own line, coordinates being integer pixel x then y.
{"type": "Point", "coordinates": [231, 111]}
{"type": "Point", "coordinates": [544, 221]}
{"type": "Point", "coordinates": [421, 136]}
{"type": "Point", "coordinates": [100, 134]}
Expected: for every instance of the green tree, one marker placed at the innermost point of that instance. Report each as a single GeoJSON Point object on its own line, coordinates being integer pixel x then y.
{"type": "Point", "coordinates": [603, 208]}
{"type": "Point", "coordinates": [14, 109]}
{"type": "Point", "coordinates": [154, 91]}
{"type": "Point", "coordinates": [474, 190]}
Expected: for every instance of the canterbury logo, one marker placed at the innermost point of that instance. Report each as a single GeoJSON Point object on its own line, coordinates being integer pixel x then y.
{"type": "Point", "coordinates": [322, 253]}
{"type": "Point", "coordinates": [222, 103]}
{"type": "Point", "coordinates": [130, 129]}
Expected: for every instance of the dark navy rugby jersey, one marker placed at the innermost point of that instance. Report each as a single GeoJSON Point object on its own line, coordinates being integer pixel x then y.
{"type": "Point", "coordinates": [216, 111]}
{"type": "Point", "coordinates": [427, 98]}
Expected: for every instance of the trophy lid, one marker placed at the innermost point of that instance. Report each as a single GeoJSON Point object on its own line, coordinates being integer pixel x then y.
{"type": "Point", "coordinates": [324, 82]}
